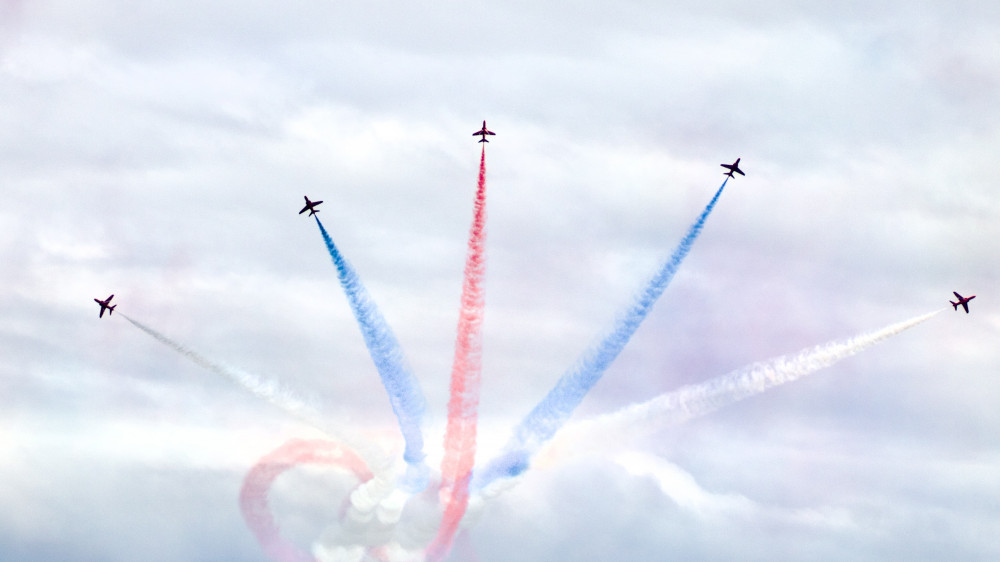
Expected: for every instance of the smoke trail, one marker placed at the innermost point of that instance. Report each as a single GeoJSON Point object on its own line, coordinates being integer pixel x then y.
{"type": "Point", "coordinates": [553, 411]}
{"type": "Point", "coordinates": [460, 436]}
{"type": "Point", "coordinates": [269, 391]}
{"type": "Point", "coordinates": [699, 399]}
{"type": "Point", "coordinates": [405, 395]}
{"type": "Point", "coordinates": [257, 483]}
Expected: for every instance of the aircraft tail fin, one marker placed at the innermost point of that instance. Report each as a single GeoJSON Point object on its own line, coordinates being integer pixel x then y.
{"type": "Point", "coordinates": [954, 304]}
{"type": "Point", "coordinates": [111, 309]}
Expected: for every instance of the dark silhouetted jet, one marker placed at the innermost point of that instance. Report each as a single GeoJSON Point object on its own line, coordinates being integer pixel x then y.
{"type": "Point", "coordinates": [483, 132]}
{"type": "Point", "coordinates": [963, 301]}
{"type": "Point", "coordinates": [311, 207]}
{"type": "Point", "coordinates": [106, 305]}
{"type": "Point", "coordinates": [734, 167]}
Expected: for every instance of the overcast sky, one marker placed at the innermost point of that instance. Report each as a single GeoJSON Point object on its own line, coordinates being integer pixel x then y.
{"type": "Point", "coordinates": [160, 152]}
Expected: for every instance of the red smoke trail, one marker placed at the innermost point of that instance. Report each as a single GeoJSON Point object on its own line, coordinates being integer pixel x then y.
{"type": "Point", "coordinates": [460, 436]}
{"type": "Point", "coordinates": [253, 494]}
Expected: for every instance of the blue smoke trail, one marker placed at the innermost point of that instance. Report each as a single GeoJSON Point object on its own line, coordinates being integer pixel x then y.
{"type": "Point", "coordinates": [552, 412]}
{"type": "Point", "coordinates": [405, 395]}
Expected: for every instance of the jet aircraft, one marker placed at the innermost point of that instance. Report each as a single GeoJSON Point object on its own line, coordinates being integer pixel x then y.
{"type": "Point", "coordinates": [963, 301]}
{"type": "Point", "coordinates": [106, 305]}
{"type": "Point", "coordinates": [311, 207]}
{"type": "Point", "coordinates": [483, 132]}
{"type": "Point", "coordinates": [734, 167]}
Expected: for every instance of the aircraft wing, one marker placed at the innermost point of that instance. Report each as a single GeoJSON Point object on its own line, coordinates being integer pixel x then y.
{"type": "Point", "coordinates": [957, 296]}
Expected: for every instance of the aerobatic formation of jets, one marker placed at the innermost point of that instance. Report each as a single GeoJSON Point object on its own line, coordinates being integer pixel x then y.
{"type": "Point", "coordinates": [962, 301]}
{"type": "Point", "coordinates": [310, 206]}
{"type": "Point", "coordinates": [733, 168]}
{"type": "Point", "coordinates": [106, 305]}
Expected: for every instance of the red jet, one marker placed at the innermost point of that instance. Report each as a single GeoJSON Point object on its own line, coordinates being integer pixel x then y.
{"type": "Point", "coordinates": [311, 207]}
{"type": "Point", "coordinates": [483, 132]}
{"type": "Point", "coordinates": [734, 167]}
{"type": "Point", "coordinates": [105, 306]}
{"type": "Point", "coordinates": [964, 301]}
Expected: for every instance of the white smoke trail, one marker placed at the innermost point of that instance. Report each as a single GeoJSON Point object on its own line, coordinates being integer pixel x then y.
{"type": "Point", "coordinates": [274, 394]}
{"type": "Point", "coordinates": [699, 399]}
{"type": "Point", "coordinates": [375, 506]}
